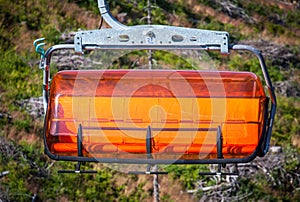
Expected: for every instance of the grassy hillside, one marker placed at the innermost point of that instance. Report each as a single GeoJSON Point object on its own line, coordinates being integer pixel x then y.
{"type": "Point", "coordinates": [271, 26]}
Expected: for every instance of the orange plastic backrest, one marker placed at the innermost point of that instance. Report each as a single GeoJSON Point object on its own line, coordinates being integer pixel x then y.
{"type": "Point", "coordinates": [182, 108]}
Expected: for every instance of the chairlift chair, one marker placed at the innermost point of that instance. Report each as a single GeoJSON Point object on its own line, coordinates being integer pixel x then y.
{"type": "Point", "coordinates": [155, 116]}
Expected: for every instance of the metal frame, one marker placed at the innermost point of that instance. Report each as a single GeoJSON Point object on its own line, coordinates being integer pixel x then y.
{"type": "Point", "coordinates": [152, 37]}
{"type": "Point", "coordinates": [157, 37]}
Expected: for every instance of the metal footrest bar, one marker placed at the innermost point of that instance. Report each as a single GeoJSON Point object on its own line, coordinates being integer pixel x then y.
{"type": "Point", "coordinates": [217, 173]}
{"type": "Point", "coordinates": [148, 172]}
{"type": "Point", "coordinates": [77, 170]}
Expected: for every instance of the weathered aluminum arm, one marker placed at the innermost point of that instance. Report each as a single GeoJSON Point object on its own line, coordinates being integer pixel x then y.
{"type": "Point", "coordinates": [109, 19]}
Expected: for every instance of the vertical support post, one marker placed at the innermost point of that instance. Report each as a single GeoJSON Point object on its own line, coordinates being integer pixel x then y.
{"type": "Point", "coordinates": [79, 141]}
{"type": "Point", "coordinates": [220, 148]}
{"type": "Point", "coordinates": [219, 143]}
{"type": "Point", "coordinates": [149, 143]}
{"type": "Point", "coordinates": [149, 147]}
{"type": "Point", "coordinates": [79, 148]}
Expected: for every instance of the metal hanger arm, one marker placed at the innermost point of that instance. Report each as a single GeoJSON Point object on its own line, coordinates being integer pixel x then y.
{"type": "Point", "coordinates": [109, 19]}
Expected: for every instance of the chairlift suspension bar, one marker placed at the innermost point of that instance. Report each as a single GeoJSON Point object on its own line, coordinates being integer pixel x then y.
{"type": "Point", "coordinates": [105, 13]}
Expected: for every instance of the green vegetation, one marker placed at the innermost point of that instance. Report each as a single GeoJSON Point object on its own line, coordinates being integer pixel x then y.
{"type": "Point", "coordinates": [250, 63]}
{"type": "Point", "coordinates": [28, 164]}
{"type": "Point", "coordinates": [286, 119]}
{"type": "Point", "coordinates": [187, 173]}
{"type": "Point", "coordinates": [17, 79]}
{"type": "Point", "coordinates": [31, 172]}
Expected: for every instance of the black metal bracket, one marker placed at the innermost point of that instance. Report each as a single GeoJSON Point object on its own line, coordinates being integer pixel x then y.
{"type": "Point", "coordinates": [149, 143]}
{"type": "Point", "coordinates": [149, 156]}
{"type": "Point", "coordinates": [219, 156]}
{"type": "Point", "coordinates": [80, 154]}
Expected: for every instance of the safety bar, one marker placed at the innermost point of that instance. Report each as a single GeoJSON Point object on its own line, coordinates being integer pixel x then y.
{"type": "Point", "coordinates": [268, 82]}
